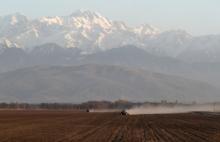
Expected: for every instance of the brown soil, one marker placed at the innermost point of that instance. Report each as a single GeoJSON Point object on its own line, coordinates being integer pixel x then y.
{"type": "Point", "coordinates": [69, 126]}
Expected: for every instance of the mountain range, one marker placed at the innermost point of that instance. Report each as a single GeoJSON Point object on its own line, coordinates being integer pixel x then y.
{"type": "Point", "coordinates": [85, 56]}
{"type": "Point", "coordinates": [130, 56]}
{"type": "Point", "coordinates": [91, 32]}
{"type": "Point", "coordinates": [99, 82]}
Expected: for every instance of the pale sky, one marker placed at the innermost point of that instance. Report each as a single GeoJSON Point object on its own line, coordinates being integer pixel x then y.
{"type": "Point", "coordinates": [198, 17]}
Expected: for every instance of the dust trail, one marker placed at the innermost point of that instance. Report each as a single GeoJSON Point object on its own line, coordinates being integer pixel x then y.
{"type": "Point", "coordinates": [104, 110]}
{"type": "Point", "coordinates": [172, 109]}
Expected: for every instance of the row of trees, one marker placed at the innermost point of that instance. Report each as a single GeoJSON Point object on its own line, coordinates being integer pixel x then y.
{"type": "Point", "coordinates": [120, 104]}
{"type": "Point", "coordinates": [37, 106]}
{"type": "Point", "coordinates": [65, 106]}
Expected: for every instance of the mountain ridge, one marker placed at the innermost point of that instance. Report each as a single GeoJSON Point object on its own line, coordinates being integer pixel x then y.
{"type": "Point", "coordinates": [99, 82]}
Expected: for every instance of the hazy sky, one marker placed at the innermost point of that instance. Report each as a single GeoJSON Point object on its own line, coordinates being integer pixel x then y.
{"type": "Point", "coordinates": [196, 16]}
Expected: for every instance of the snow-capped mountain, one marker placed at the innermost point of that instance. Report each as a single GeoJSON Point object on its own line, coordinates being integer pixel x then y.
{"type": "Point", "coordinates": [91, 32]}
{"type": "Point", "coordinates": [85, 30]}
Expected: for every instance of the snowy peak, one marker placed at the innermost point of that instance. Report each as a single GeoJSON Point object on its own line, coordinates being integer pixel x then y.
{"type": "Point", "coordinates": [51, 20]}
{"type": "Point", "coordinates": [146, 30]}
{"type": "Point", "coordinates": [86, 19]}
{"type": "Point", "coordinates": [86, 13]}
{"type": "Point", "coordinates": [11, 25]}
{"type": "Point", "coordinates": [14, 19]}
{"type": "Point", "coordinates": [119, 25]}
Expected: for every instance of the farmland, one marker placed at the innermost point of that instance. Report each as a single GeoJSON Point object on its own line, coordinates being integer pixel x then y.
{"type": "Point", "coordinates": [72, 126]}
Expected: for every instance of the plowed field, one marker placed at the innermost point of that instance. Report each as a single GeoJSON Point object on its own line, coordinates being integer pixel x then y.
{"type": "Point", "coordinates": [68, 126]}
